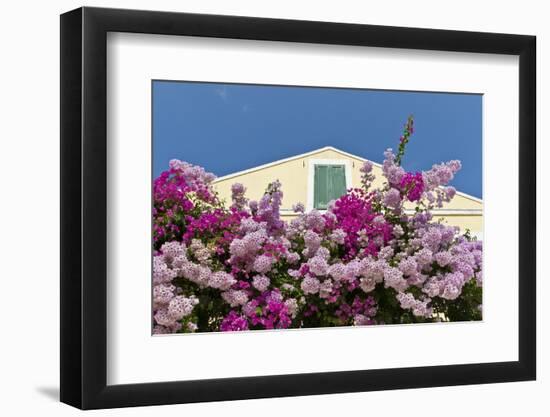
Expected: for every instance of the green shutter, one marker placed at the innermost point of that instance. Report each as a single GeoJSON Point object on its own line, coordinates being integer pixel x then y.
{"type": "Point", "coordinates": [329, 184]}
{"type": "Point", "coordinates": [337, 182]}
{"type": "Point", "coordinates": [321, 187]}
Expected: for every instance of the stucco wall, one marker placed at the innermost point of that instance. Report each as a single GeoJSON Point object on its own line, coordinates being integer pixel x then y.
{"type": "Point", "coordinates": [293, 176]}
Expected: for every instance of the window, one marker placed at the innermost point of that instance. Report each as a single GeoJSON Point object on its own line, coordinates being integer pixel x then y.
{"type": "Point", "coordinates": [329, 184]}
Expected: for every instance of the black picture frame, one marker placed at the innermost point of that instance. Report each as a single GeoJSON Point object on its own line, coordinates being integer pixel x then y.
{"type": "Point", "coordinates": [84, 207]}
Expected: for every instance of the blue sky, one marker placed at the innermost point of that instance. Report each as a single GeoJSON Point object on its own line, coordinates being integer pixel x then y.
{"type": "Point", "coordinates": [230, 127]}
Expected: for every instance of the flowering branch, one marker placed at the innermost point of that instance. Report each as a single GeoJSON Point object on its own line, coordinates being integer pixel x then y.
{"type": "Point", "coordinates": [408, 130]}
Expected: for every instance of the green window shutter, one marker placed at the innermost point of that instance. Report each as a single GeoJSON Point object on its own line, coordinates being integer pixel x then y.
{"type": "Point", "coordinates": [329, 184]}
{"type": "Point", "coordinates": [337, 182]}
{"type": "Point", "coordinates": [321, 187]}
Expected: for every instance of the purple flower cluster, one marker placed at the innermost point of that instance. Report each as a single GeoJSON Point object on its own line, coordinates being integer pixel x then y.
{"type": "Point", "coordinates": [238, 196]}
{"type": "Point", "coordinates": [361, 311]}
{"type": "Point", "coordinates": [269, 311]}
{"type": "Point", "coordinates": [234, 322]}
{"type": "Point", "coordinates": [170, 308]}
{"type": "Point", "coordinates": [367, 177]}
{"type": "Point", "coordinates": [177, 193]}
{"type": "Point", "coordinates": [412, 185]}
{"type": "Point", "coordinates": [365, 231]}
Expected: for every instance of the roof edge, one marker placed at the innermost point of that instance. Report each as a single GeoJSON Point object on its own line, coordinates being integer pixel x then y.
{"type": "Point", "coordinates": [292, 158]}
{"type": "Point", "coordinates": [313, 152]}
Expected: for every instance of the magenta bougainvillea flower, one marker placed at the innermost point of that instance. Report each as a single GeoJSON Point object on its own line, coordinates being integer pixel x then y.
{"type": "Point", "coordinates": [412, 185]}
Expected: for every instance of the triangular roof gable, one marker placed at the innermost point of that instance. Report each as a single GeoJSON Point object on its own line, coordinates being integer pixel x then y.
{"type": "Point", "coordinates": [311, 153]}
{"type": "Point", "coordinates": [293, 158]}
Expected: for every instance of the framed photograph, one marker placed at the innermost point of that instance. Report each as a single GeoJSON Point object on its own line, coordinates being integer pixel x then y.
{"type": "Point", "coordinates": [258, 208]}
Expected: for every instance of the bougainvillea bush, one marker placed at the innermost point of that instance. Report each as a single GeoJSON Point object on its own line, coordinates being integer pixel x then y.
{"type": "Point", "coordinates": [231, 266]}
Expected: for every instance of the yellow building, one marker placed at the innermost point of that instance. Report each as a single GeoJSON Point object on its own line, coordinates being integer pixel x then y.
{"type": "Point", "coordinates": [314, 178]}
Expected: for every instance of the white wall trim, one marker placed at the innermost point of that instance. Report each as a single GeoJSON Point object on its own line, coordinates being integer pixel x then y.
{"type": "Point", "coordinates": [311, 176]}
{"type": "Point", "coordinates": [471, 197]}
{"type": "Point", "coordinates": [452, 212]}
{"type": "Point", "coordinates": [435, 212]}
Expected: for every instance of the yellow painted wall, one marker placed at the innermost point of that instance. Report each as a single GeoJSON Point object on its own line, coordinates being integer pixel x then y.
{"type": "Point", "coordinates": [459, 202]}
{"type": "Point", "coordinates": [472, 222]}
{"type": "Point", "coordinates": [293, 175]}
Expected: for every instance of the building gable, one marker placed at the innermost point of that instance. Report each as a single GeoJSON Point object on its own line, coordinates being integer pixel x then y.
{"type": "Point", "coordinates": [296, 175]}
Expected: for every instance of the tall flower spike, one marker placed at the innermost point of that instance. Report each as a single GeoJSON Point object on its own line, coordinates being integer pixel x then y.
{"type": "Point", "coordinates": [408, 130]}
